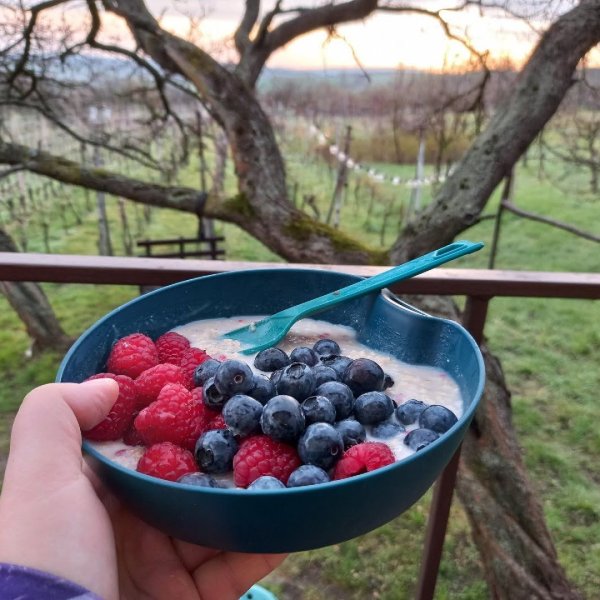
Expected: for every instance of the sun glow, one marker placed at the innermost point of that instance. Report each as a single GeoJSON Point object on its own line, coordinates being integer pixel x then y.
{"type": "Point", "coordinates": [385, 40]}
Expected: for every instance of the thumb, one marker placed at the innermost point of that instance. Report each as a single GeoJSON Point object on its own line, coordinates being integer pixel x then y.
{"type": "Point", "coordinates": [46, 434]}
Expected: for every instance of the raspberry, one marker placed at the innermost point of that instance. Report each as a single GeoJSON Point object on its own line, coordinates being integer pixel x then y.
{"type": "Point", "coordinates": [190, 359]}
{"type": "Point", "coordinates": [175, 416]}
{"type": "Point", "coordinates": [362, 458]}
{"type": "Point", "coordinates": [217, 422]}
{"type": "Point", "coordinates": [197, 395]}
{"type": "Point", "coordinates": [120, 415]}
{"type": "Point", "coordinates": [167, 461]}
{"type": "Point", "coordinates": [132, 436]}
{"type": "Point", "coordinates": [151, 381]}
{"type": "Point", "coordinates": [260, 455]}
{"type": "Point", "coordinates": [171, 347]}
{"type": "Point", "coordinates": [131, 355]}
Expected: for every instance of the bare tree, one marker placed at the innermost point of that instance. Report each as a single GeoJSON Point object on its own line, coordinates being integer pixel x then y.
{"type": "Point", "coordinates": [577, 138]}
{"type": "Point", "coordinates": [176, 67]}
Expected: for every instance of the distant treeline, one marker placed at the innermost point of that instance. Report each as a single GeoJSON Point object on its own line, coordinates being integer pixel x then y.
{"type": "Point", "coordinates": [349, 93]}
{"type": "Point", "coordinates": [398, 110]}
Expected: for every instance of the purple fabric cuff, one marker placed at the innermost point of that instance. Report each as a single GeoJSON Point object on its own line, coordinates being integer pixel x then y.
{"type": "Point", "coordinates": [24, 583]}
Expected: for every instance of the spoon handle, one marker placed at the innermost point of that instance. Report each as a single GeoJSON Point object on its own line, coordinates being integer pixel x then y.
{"type": "Point", "coordinates": [377, 282]}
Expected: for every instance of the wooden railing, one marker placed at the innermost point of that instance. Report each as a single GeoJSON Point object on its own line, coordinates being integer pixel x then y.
{"type": "Point", "coordinates": [478, 286]}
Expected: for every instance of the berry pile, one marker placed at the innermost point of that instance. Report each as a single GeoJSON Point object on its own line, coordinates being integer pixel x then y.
{"type": "Point", "coordinates": [294, 420]}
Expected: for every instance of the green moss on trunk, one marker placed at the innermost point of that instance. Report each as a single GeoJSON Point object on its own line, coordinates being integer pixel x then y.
{"type": "Point", "coordinates": [239, 205]}
{"type": "Point", "coordinates": [302, 228]}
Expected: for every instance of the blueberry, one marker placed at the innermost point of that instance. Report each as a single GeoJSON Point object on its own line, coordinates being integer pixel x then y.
{"type": "Point", "coordinates": [271, 359]}
{"type": "Point", "coordinates": [282, 419]}
{"type": "Point", "coordinates": [326, 346]}
{"type": "Point", "coordinates": [297, 380]}
{"type": "Point", "coordinates": [242, 413]}
{"type": "Point", "coordinates": [388, 381]}
{"type": "Point", "coordinates": [437, 418]}
{"type": "Point", "coordinates": [340, 395]}
{"type": "Point", "coordinates": [234, 377]}
{"type": "Point", "coordinates": [263, 389]}
{"type": "Point", "coordinates": [352, 432]}
{"type": "Point", "coordinates": [338, 363]}
{"type": "Point", "coordinates": [266, 482]}
{"type": "Point", "coordinates": [215, 450]}
{"type": "Point", "coordinates": [323, 374]}
{"type": "Point", "coordinates": [408, 412]}
{"type": "Point", "coordinates": [364, 375]}
{"type": "Point", "coordinates": [307, 475]}
{"type": "Point", "coordinates": [304, 355]}
{"type": "Point", "coordinates": [276, 376]}
{"type": "Point", "coordinates": [204, 371]}
{"type": "Point", "coordinates": [373, 407]}
{"type": "Point", "coordinates": [417, 439]}
{"type": "Point", "coordinates": [211, 395]}
{"type": "Point", "coordinates": [318, 409]}
{"type": "Point", "coordinates": [321, 445]}
{"type": "Point", "coordinates": [387, 429]}
{"type": "Point", "coordinates": [199, 479]}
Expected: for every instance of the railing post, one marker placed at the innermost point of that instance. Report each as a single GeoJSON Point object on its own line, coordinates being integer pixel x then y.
{"type": "Point", "coordinates": [474, 317]}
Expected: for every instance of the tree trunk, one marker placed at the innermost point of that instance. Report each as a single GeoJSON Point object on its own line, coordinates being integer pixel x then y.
{"type": "Point", "coordinates": [31, 304]}
{"type": "Point", "coordinates": [506, 517]}
{"type": "Point", "coordinates": [507, 520]}
{"type": "Point", "coordinates": [340, 184]}
{"type": "Point", "coordinates": [541, 87]}
{"type": "Point", "coordinates": [104, 242]}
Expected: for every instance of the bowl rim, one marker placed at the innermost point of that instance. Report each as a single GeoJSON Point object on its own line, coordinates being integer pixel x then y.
{"type": "Point", "coordinates": [173, 485]}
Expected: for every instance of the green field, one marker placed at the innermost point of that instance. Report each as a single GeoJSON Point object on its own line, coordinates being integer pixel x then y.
{"type": "Point", "coordinates": [549, 350]}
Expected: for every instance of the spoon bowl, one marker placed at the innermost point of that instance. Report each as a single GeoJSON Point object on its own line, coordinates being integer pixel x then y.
{"type": "Point", "coordinates": [268, 332]}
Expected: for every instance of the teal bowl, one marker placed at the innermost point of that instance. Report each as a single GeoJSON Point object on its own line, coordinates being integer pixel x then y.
{"type": "Point", "coordinates": [300, 518]}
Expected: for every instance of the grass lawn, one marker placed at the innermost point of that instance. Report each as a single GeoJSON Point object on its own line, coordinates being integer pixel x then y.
{"type": "Point", "coordinates": [548, 348]}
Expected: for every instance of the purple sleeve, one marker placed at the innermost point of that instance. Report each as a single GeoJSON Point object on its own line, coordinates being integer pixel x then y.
{"type": "Point", "coordinates": [24, 583]}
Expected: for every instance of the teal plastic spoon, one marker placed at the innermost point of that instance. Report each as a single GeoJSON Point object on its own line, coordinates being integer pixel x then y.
{"type": "Point", "coordinates": [269, 331]}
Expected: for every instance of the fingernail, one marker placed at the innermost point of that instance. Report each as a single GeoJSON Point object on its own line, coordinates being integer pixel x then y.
{"type": "Point", "coordinates": [103, 382]}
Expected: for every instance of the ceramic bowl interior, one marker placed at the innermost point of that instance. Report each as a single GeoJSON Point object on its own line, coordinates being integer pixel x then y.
{"type": "Point", "coordinates": [299, 518]}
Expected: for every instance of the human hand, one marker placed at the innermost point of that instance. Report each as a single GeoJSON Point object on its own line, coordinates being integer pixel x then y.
{"type": "Point", "coordinates": [56, 517]}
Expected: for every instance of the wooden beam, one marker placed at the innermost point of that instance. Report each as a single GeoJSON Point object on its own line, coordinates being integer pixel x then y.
{"type": "Point", "coordinates": [66, 268]}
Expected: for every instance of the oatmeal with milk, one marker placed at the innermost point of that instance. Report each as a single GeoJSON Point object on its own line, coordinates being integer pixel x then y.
{"type": "Point", "coordinates": [318, 407]}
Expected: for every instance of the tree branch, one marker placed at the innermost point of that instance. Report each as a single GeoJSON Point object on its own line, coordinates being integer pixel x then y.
{"type": "Point", "coordinates": [437, 15]}
{"type": "Point", "coordinates": [137, 154]}
{"type": "Point", "coordinates": [315, 18]}
{"type": "Point", "coordinates": [266, 23]}
{"type": "Point", "coordinates": [242, 34]}
{"type": "Point", "coordinates": [10, 171]}
{"type": "Point", "coordinates": [26, 37]}
{"type": "Point", "coordinates": [71, 172]}
{"type": "Point", "coordinates": [548, 221]}
{"type": "Point", "coordinates": [305, 21]}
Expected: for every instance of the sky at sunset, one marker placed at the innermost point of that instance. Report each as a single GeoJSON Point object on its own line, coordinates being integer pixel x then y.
{"type": "Point", "coordinates": [386, 41]}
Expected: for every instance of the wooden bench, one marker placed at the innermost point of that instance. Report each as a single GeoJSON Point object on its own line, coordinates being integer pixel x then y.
{"type": "Point", "coordinates": [200, 247]}
{"type": "Point", "coordinates": [209, 247]}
